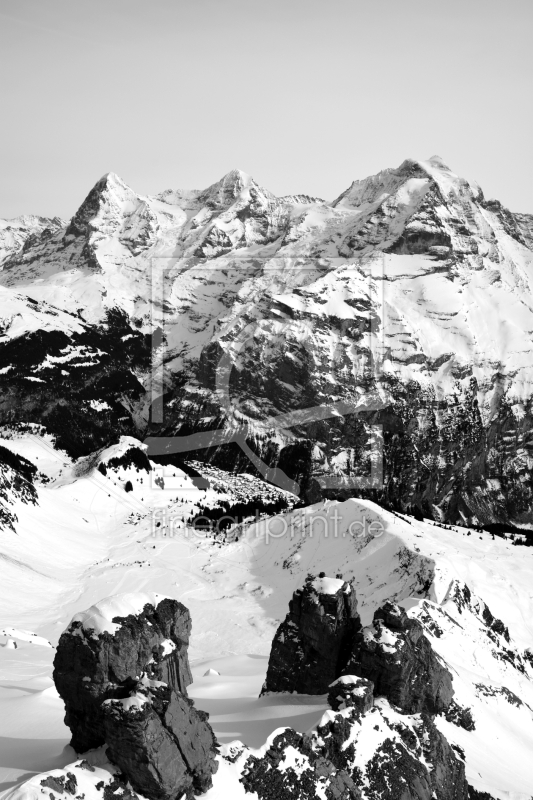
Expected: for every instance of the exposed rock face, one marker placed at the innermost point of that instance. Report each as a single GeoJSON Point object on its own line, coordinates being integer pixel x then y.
{"type": "Point", "coordinates": [411, 759]}
{"type": "Point", "coordinates": [397, 657]}
{"type": "Point", "coordinates": [17, 476]}
{"type": "Point", "coordinates": [349, 691]}
{"type": "Point", "coordinates": [161, 742]}
{"type": "Point", "coordinates": [473, 794]}
{"type": "Point", "coordinates": [91, 667]}
{"type": "Point", "coordinates": [408, 759]}
{"type": "Point", "coordinates": [314, 642]}
{"type": "Point", "coordinates": [462, 717]}
{"type": "Point", "coordinates": [98, 364]}
{"type": "Point", "coordinates": [122, 670]}
{"type": "Point", "coordinates": [293, 769]}
{"type": "Point", "coordinates": [321, 639]}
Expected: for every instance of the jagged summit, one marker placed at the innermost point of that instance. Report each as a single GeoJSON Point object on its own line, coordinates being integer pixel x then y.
{"type": "Point", "coordinates": [109, 195]}
{"type": "Point", "coordinates": [111, 180]}
{"type": "Point", "coordinates": [235, 185]}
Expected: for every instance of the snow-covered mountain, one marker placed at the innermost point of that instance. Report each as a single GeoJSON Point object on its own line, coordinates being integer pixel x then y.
{"type": "Point", "coordinates": [400, 310]}
{"type": "Point", "coordinates": [24, 231]}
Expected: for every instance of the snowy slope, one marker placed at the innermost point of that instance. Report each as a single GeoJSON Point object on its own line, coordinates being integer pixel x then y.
{"type": "Point", "coordinates": [87, 539]}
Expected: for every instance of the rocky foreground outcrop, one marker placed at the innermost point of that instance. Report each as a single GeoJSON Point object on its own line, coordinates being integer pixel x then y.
{"type": "Point", "coordinates": [322, 639]}
{"type": "Point", "coordinates": [313, 643]}
{"type": "Point", "coordinates": [122, 670]}
{"type": "Point", "coordinates": [387, 683]}
{"type": "Point", "coordinates": [377, 755]}
{"type": "Point", "coordinates": [398, 658]}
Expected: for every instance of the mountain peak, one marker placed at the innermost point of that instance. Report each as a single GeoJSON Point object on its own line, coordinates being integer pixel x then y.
{"type": "Point", "coordinates": [109, 190]}
{"type": "Point", "coordinates": [225, 192]}
{"type": "Point", "coordinates": [437, 161]}
{"type": "Point", "coordinates": [390, 180]}
{"type": "Point", "coordinates": [234, 181]}
{"type": "Point", "coordinates": [238, 176]}
{"type": "Point", "coordinates": [111, 181]}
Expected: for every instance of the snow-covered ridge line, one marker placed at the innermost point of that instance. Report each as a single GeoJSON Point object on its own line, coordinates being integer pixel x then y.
{"type": "Point", "coordinates": [407, 296]}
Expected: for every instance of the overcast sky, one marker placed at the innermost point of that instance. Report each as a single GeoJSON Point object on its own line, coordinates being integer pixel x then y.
{"type": "Point", "coordinates": [306, 95]}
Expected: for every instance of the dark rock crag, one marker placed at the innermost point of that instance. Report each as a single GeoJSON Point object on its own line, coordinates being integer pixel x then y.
{"type": "Point", "coordinates": [322, 639]}
{"type": "Point", "coordinates": [386, 685]}
{"type": "Point", "coordinates": [410, 761]}
{"type": "Point", "coordinates": [312, 777]}
{"type": "Point", "coordinates": [90, 668]}
{"type": "Point", "coordinates": [128, 689]}
{"type": "Point", "coordinates": [396, 770]}
{"type": "Point", "coordinates": [397, 657]}
{"type": "Point", "coordinates": [313, 643]}
{"type": "Point", "coordinates": [161, 742]}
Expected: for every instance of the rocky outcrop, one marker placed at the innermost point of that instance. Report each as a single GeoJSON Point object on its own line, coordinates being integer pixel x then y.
{"type": "Point", "coordinates": [314, 642]}
{"type": "Point", "coordinates": [122, 670]}
{"type": "Point", "coordinates": [161, 742]}
{"type": "Point", "coordinates": [379, 739]}
{"type": "Point", "coordinates": [17, 483]}
{"type": "Point", "coordinates": [473, 794]}
{"type": "Point", "coordinates": [410, 759]}
{"type": "Point", "coordinates": [380, 753]}
{"type": "Point", "coordinates": [292, 768]}
{"type": "Point", "coordinates": [350, 691]}
{"type": "Point", "coordinates": [102, 654]}
{"type": "Point", "coordinates": [397, 657]}
{"type": "Point", "coordinates": [322, 639]}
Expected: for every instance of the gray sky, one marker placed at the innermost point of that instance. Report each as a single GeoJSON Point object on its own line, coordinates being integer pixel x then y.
{"type": "Point", "coordinates": [306, 95]}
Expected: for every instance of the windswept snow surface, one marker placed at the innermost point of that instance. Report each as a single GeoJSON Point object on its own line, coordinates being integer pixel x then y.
{"type": "Point", "coordinates": [88, 539]}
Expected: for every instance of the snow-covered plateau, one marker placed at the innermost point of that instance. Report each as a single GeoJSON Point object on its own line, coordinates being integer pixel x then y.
{"type": "Point", "coordinates": [221, 396]}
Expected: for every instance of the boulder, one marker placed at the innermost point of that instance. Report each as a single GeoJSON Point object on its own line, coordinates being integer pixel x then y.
{"type": "Point", "coordinates": [397, 657]}
{"type": "Point", "coordinates": [350, 691]}
{"type": "Point", "coordinates": [314, 642]}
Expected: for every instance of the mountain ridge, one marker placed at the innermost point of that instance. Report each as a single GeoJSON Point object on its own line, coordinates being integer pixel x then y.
{"type": "Point", "coordinates": [410, 287]}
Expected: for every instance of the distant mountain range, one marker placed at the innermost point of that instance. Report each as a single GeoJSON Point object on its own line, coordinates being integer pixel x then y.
{"type": "Point", "coordinates": [396, 320]}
